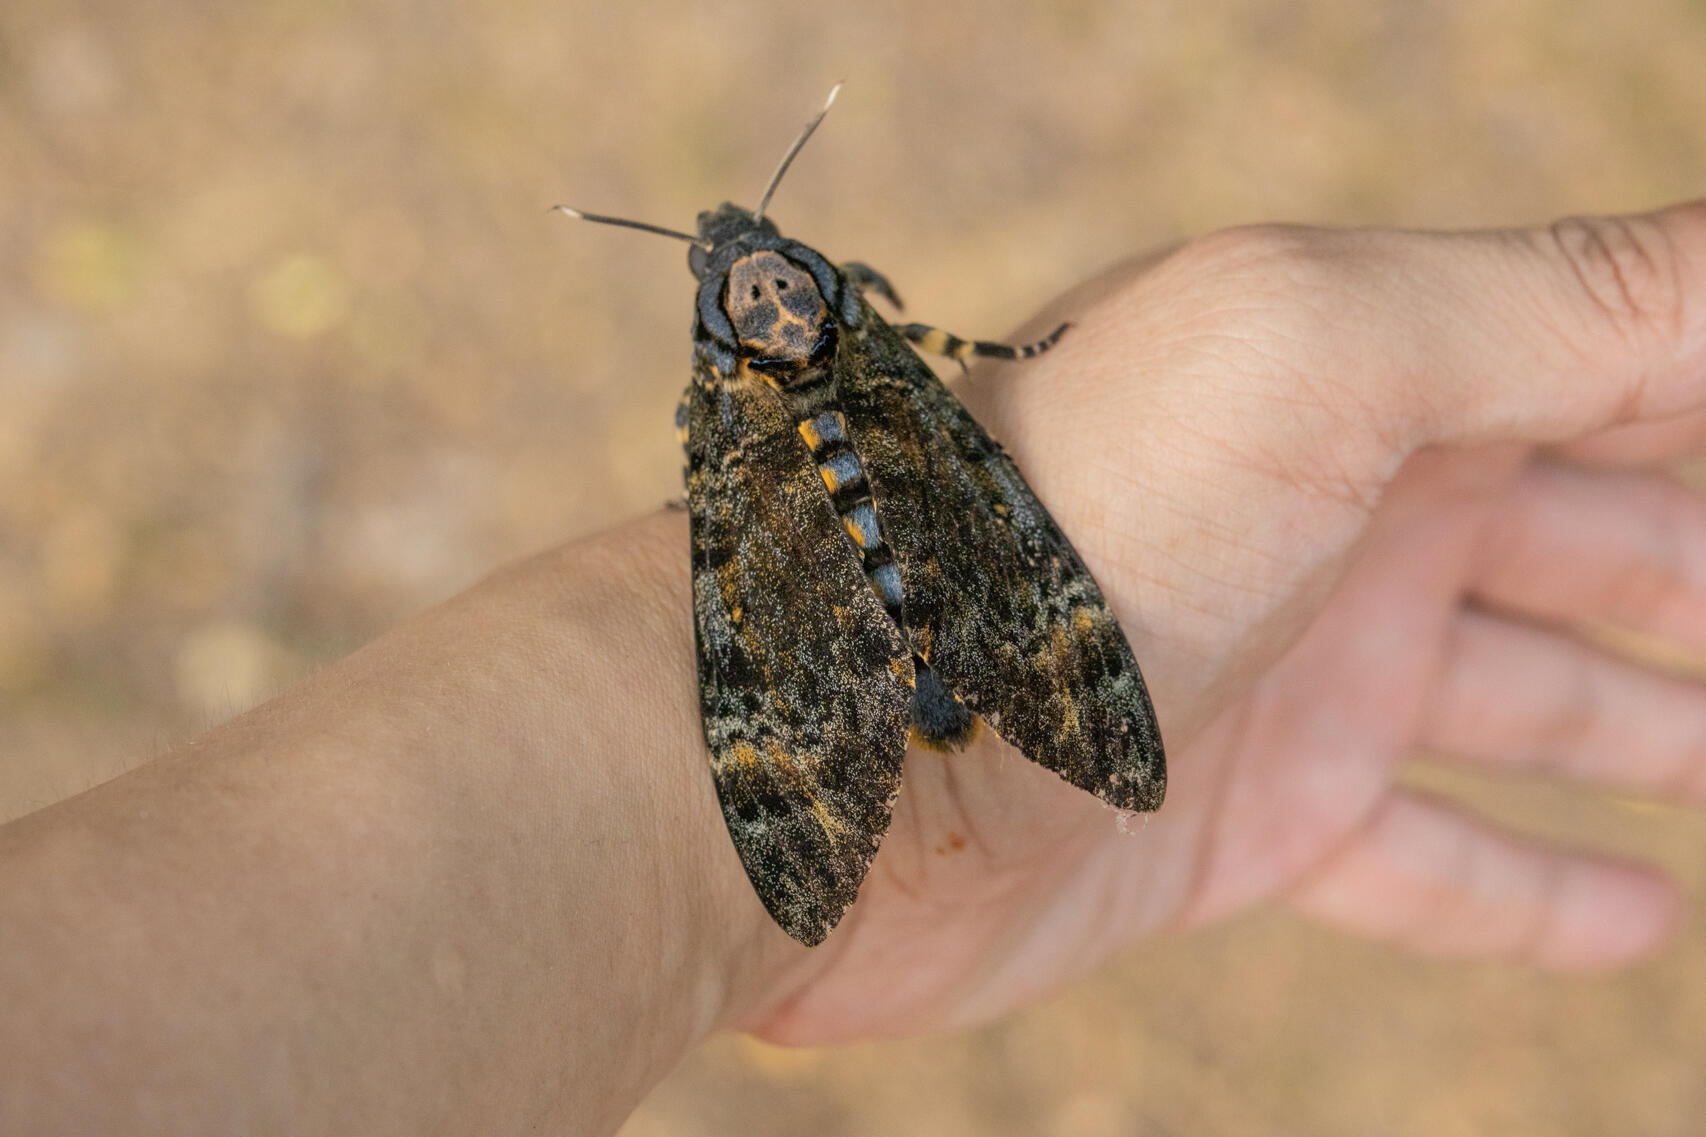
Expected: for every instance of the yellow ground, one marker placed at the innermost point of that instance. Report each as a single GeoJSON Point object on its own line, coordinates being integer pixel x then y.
{"type": "Point", "coordinates": [289, 347]}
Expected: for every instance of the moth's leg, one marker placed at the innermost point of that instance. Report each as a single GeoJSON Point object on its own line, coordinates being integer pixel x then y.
{"type": "Point", "coordinates": [938, 342]}
{"type": "Point", "coordinates": [867, 279]}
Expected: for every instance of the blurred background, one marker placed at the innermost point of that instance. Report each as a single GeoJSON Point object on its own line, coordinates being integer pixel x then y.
{"type": "Point", "coordinates": [290, 348]}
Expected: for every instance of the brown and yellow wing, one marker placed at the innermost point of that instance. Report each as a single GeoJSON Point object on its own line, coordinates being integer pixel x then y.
{"type": "Point", "coordinates": [997, 601]}
{"type": "Point", "coordinates": [805, 683]}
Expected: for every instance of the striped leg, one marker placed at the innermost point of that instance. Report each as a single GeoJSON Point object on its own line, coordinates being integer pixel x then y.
{"type": "Point", "coordinates": [867, 279]}
{"type": "Point", "coordinates": [938, 342]}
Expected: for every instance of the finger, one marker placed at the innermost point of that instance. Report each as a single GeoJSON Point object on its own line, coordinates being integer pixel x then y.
{"type": "Point", "coordinates": [1521, 696]}
{"type": "Point", "coordinates": [1622, 548]}
{"type": "Point", "coordinates": [1537, 335]}
{"type": "Point", "coordinates": [1434, 880]}
{"type": "Point", "coordinates": [1551, 334]}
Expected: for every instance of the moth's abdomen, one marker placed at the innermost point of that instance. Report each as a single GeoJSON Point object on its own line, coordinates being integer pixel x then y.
{"type": "Point", "coordinates": [939, 720]}
{"type": "Point", "coordinates": [843, 474]}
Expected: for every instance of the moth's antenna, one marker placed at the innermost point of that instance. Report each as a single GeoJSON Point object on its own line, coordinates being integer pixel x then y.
{"type": "Point", "coordinates": [788, 158]}
{"type": "Point", "coordinates": [626, 224]}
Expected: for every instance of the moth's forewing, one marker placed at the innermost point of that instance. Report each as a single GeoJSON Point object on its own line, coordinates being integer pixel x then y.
{"type": "Point", "coordinates": [805, 683]}
{"type": "Point", "coordinates": [998, 602]}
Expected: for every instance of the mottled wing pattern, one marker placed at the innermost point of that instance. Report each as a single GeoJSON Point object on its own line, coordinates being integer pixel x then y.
{"type": "Point", "coordinates": [805, 683]}
{"type": "Point", "coordinates": [999, 604]}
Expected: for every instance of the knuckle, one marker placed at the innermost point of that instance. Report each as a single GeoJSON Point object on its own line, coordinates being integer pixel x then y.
{"type": "Point", "coordinates": [1269, 307]}
{"type": "Point", "coordinates": [1626, 268]}
{"type": "Point", "coordinates": [1258, 277]}
{"type": "Point", "coordinates": [1281, 252]}
{"type": "Point", "coordinates": [1296, 278]}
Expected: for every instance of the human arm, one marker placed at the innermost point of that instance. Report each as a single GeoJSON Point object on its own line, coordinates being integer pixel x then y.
{"type": "Point", "coordinates": [471, 878]}
{"type": "Point", "coordinates": [1317, 475]}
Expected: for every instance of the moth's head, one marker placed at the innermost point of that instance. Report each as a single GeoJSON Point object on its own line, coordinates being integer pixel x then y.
{"type": "Point", "coordinates": [760, 294]}
{"type": "Point", "coordinates": [778, 312]}
{"type": "Point", "coordinates": [726, 226]}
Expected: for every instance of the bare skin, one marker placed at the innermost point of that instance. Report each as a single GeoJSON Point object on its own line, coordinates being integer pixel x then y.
{"type": "Point", "coordinates": [1349, 493]}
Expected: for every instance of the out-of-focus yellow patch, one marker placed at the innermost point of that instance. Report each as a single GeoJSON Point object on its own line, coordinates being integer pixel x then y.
{"type": "Point", "coordinates": [227, 666]}
{"type": "Point", "coordinates": [87, 264]}
{"type": "Point", "coordinates": [300, 297]}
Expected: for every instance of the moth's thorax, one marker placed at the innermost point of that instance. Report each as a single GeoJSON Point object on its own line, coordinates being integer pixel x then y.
{"type": "Point", "coordinates": [775, 307]}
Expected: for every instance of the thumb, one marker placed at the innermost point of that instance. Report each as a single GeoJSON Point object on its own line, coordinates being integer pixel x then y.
{"type": "Point", "coordinates": [1540, 335]}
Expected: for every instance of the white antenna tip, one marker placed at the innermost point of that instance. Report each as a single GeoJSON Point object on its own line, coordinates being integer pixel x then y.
{"type": "Point", "coordinates": [833, 91]}
{"type": "Point", "coordinates": [570, 210]}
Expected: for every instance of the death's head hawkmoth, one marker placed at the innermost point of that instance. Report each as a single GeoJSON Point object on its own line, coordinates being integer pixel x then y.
{"type": "Point", "coordinates": [869, 567]}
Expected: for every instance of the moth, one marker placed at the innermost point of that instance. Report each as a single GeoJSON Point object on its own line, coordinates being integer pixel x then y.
{"type": "Point", "coordinates": [869, 568]}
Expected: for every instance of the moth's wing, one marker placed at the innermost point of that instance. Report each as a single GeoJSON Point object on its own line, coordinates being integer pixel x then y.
{"type": "Point", "coordinates": [805, 684]}
{"type": "Point", "coordinates": [999, 604]}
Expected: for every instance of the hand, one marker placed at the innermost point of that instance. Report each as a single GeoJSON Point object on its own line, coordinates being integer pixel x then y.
{"type": "Point", "coordinates": [1348, 492]}
{"type": "Point", "coordinates": [1351, 494]}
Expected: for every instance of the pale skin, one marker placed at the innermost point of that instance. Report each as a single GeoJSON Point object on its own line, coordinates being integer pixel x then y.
{"type": "Point", "coordinates": [1349, 493]}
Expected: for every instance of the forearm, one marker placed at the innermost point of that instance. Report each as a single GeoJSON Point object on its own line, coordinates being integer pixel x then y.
{"type": "Point", "coordinates": [471, 878]}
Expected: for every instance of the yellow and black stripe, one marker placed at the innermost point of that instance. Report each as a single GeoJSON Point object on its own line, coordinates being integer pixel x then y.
{"type": "Point", "coordinates": [843, 474]}
{"type": "Point", "coordinates": [938, 342]}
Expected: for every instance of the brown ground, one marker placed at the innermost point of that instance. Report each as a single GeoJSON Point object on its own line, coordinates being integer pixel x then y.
{"type": "Point", "coordinates": [289, 348]}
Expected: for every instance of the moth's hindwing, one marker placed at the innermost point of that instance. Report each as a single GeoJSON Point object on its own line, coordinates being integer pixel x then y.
{"type": "Point", "coordinates": [805, 683]}
{"type": "Point", "coordinates": [998, 602]}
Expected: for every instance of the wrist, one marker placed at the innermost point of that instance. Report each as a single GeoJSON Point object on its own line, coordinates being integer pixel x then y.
{"type": "Point", "coordinates": [600, 789]}
{"type": "Point", "coordinates": [553, 711]}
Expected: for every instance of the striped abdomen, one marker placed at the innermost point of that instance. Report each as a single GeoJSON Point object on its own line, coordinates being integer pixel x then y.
{"type": "Point", "coordinates": [939, 720]}
{"type": "Point", "coordinates": [843, 474]}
